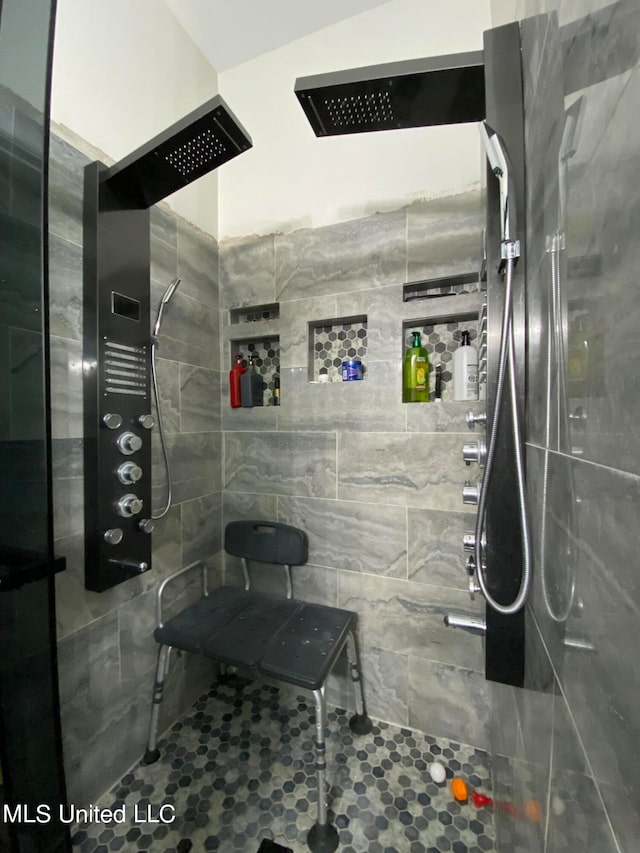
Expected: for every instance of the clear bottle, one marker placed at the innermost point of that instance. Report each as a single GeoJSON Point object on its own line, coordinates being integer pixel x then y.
{"type": "Point", "coordinates": [465, 370]}
{"type": "Point", "coordinates": [415, 373]}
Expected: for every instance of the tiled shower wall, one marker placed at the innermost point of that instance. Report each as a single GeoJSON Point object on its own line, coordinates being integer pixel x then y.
{"type": "Point", "coordinates": [571, 741]}
{"type": "Point", "coordinates": [375, 483]}
{"type": "Point", "coordinates": [106, 649]}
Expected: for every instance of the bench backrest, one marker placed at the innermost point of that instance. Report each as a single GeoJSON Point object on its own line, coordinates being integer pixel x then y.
{"type": "Point", "coordinates": [266, 542]}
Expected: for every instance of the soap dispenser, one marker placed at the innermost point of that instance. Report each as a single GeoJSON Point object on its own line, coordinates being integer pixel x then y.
{"type": "Point", "coordinates": [465, 370]}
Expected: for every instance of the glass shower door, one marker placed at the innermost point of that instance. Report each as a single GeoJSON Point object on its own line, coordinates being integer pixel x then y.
{"type": "Point", "coordinates": [30, 750]}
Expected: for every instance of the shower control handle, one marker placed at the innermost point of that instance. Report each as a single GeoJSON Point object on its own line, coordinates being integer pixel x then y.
{"type": "Point", "coordinates": [129, 443]}
{"type": "Point", "coordinates": [146, 421]}
{"type": "Point", "coordinates": [112, 420]}
{"type": "Point", "coordinates": [132, 565]}
{"type": "Point", "coordinates": [129, 473]}
{"type": "Point", "coordinates": [469, 542]}
{"type": "Point", "coordinates": [469, 493]}
{"type": "Point", "coordinates": [473, 419]}
{"type": "Point", "coordinates": [146, 525]}
{"type": "Point", "coordinates": [113, 536]}
{"type": "Point", "coordinates": [475, 451]}
{"type": "Point", "coordinates": [129, 505]}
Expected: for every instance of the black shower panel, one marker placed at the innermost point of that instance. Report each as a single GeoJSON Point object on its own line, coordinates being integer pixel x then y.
{"type": "Point", "coordinates": [117, 387]}
{"type": "Point", "coordinates": [118, 422]}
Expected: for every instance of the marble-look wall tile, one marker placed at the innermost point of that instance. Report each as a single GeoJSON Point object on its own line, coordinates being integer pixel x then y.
{"type": "Point", "coordinates": [195, 466]}
{"type": "Point", "coordinates": [449, 701]}
{"type": "Point", "coordinates": [354, 255]}
{"type": "Point", "coordinates": [199, 399]}
{"type": "Point", "coordinates": [441, 417]}
{"type": "Point", "coordinates": [166, 546]}
{"type": "Point", "coordinates": [26, 386]}
{"type": "Point", "coordinates": [198, 264]}
{"type": "Point", "coordinates": [281, 463]}
{"type": "Point", "coordinates": [408, 618]}
{"type": "Point", "coordinates": [66, 189]}
{"type": "Point", "coordinates": [258, 418]}
{"type": "Point", "coordinates": [295, 317]}
{"type": "Point", "coordinates": [138, 650]}
{"type": "Point", "coordinates": [372, 404]}
{"type": "Point", "coordinates": [68, 506]}
{"type": "Point", "coordinates": [247, 272]}
{"type": "Point", "coordinates": [356, 537]}
{"type": "Point", "coordinates": [444, 236]}
{"type": "Point", "coordinates": [243, 506]}
{"type": "Point", "coordinates": [202, 527]}
{"type": "Point", "coordinates": [408, 470]}
{"type": "Point", "coordinates": [66, 388]}
{"type": "Point", "coordinates": [168, 373]}
{"type": "Point", "coordinates": [190, 330]}
{"type": "Point", "coordinates": [65, 288]}
{"type": "Point", "coordinates": [164, 247]}
{"type": "Point", "coordinates": [385, 681]}
{"type": "Point", "coordinates": [436, 555]}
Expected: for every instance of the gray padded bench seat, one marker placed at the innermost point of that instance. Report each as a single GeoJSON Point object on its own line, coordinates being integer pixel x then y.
{"type": "Point", "coordinates": [283, 638]}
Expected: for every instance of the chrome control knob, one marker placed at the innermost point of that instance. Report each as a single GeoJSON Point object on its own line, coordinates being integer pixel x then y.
{"type": "Point", "coordinates": [112, 421]}
{"type": "Point", "coordinates": [469, 542]}
{"type": "Point", "coordinates": [129, 443]}
{"type": "Point", "coordinates": [113, 536]}
{"type": "Point", "coordinates": [129, 505]}
{"type": "Point", "coordinates": [147, 421]}
{"type": "Point", "coordinates": [473, 419]}
{"type": "Point", "coordinates": [470, 493]}
{"type": "Point", "coordinates": [475, 451]}
{"type": "Point", "coordinates": [134, 565]}
{"type": "Point", "coordinates": [146, 525]}
{"type": "Point", "coordinates": [129, 473]}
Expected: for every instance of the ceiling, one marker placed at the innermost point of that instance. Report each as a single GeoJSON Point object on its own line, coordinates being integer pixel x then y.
{"type": "Point", "coordinates": [230, 32]}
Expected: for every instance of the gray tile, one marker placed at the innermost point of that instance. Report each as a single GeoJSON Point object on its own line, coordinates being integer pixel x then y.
{"type": "Point", "coordinates": [386, 684]}
{"type": "Point", "coordinates": [65, 288]}
{"type": "Point", "coordinates": [66, 388]}
{"type": "Point", "coordinates": [247, 272]}
{"type": "Point", "coordinates": [356, 537]}
{"type": "Point", "coordinates": [136, 624]}
{"type": "Point", "coordinates": [164, 247]}
{"type": "Point", "coordinates": [444, 236]}
{"type": "Point", "coordinates": [372, 404]}
{"type": "Point", "coordinates": [166, 546]}
{"type": "Point", "coordinates": [195, 465]}
{"type": "Point", "coordinates": [281, 463]}
{"type": "Point", "coordinates": [168, 373]}
{"type": "Point", "coordinates": [295, 317]}
{"type": "Point", "coordinates": [66, 189]}
{"type": "Point", "coordinates": [446, 416]}
{"type": "Point", "coordinates": [190, 330]}
{"type": "Point", "coordinates": [239, 507]}
{"type": "Point", "coordinates": [436, 555]}
{"type": "Point", "coordinates": [355, 255]}
{"type": "Point", "coordinates": [198, 264]}
{"type": "Point", "coordinates": [199, 399]}
{"type": "Point", "coordinates": [27, 417]}
{"type": "Point", "coordinates": [68, 506]}
{"type": "Point", "coordinates": [449, 701]}
{"type": "Point", "coordinates": [202, 527]}
{"type": "Point", "coordinates": [407, 470]}
{"type": "Point", "coordinates": [408, 618]}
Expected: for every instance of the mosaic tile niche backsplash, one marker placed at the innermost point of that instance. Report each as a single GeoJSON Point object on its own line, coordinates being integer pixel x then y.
{"type": "Point", "coordinates": [333, 342]}
{"type": "Point", "coordinates": [266, 357]}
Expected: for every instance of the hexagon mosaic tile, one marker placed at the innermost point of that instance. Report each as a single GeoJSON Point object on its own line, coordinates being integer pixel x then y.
{"type": "Point", "coordinates": [239, 768]}
{"type": "Point", "coordinates": [266, 357]}
{"type": "Point", "coordinates": [332, 343]}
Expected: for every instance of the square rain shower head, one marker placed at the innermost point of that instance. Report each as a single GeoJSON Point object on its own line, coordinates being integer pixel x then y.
{"type": "Point", "coordinates": [198, 143]}
{"type": "Point", "coordinates": [414, 93]}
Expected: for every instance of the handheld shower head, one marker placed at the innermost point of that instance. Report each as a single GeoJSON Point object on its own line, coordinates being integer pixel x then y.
{"type": "Point", "coordinates": [166, 298]}
{"type": "Point", "coordinates": [170, 290]}
{"type": "Point", "coordinates": [499, 162]}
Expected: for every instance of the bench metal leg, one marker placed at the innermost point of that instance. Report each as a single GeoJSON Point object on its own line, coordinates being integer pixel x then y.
{"type": "Point", "coordinates": [322, 837]}
{"type": "Point", "coordinates": [360, 723]}
{"type": "Point", "coordinates": [153, 753]}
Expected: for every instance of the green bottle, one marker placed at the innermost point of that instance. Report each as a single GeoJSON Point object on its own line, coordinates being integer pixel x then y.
{"type": "Point", "coordinates": [415, 373]}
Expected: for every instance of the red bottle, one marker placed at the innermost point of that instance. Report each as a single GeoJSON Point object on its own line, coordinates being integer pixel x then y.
{"type": "Point", "coordinates": [234, 382]}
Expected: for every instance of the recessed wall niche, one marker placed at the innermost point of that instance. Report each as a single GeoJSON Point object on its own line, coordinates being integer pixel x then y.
{"type": "Point", "coordinates": [441, 338]}
{"type": "Point", "coordinates": [266, 358]}
{"type": "Point", "coordinates": [333, 341]}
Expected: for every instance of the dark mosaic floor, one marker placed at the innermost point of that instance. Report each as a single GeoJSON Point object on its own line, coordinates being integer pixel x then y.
{"type": "Point", "coordinates": [240, 768]}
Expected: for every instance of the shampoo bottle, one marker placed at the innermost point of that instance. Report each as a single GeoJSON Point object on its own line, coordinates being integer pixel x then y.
{"type": "Point", "coordinates": [251, 386]}
{"type": "Point", "coordinates": [234, 382]}
{"type": "Point", "coordinates": [415, 373]}
{"type": "Point", "coordinates": [465, 371]}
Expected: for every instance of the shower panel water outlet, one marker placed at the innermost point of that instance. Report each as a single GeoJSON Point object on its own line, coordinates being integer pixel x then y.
{"type": "Point", "coordinates": [118, 420]}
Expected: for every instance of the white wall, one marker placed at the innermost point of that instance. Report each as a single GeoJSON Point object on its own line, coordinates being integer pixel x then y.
{"type": "Point", "coordinates": [291, 179]}
{"type": "Point", "coordinates": [124, 70]}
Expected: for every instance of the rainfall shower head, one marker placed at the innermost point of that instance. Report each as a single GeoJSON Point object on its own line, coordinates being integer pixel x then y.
{"type": "Point", "coordinates": [198, 143]}
{"type": "Point", "coordinates": [415, 93]}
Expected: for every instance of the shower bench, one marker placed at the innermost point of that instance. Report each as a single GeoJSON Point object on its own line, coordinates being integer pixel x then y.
{"type": "Point", "coordinates": [280, 637]}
